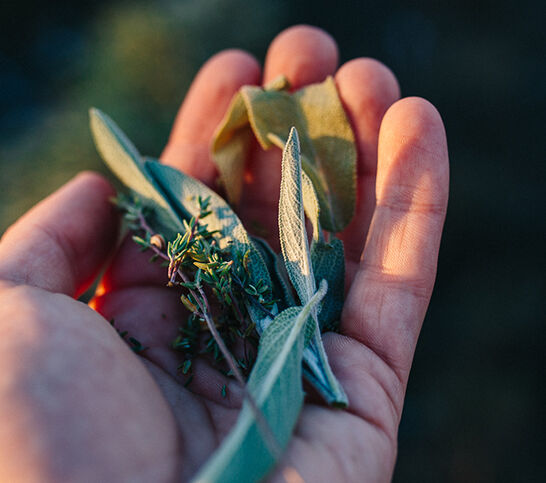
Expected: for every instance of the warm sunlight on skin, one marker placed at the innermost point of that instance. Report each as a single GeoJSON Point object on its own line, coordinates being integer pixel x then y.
{"type": "Point", "coordinates": [395, 260]}
{"type": "Point", "coordinates": [408, 194]}
{"type": "Point", "coordinates": [77, 405]}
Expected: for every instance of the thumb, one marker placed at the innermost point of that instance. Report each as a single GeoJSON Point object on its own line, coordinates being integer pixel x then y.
{"type": "Point", "coordinates": [61, 243]}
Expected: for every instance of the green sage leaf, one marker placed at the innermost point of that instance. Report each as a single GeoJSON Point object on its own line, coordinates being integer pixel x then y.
{"type": "Point", "coordinates": [275, 384]}
{"type": "Point", "coordinates": [277, 271]}
{"type": "Point", "coordinates": [124, 160]}
{"type": "Point", "coordinates": [295, 250]}
{"type": "Point", "coordinates": [334, 157]}
{"type": "Point", "coordinates": [328, 261]}
{"type": "Point", "coordinates": [292, 232]}
{"type": "Point", "coordinates": [318, 372]}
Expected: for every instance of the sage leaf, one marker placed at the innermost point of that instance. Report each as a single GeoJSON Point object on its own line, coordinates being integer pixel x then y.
{"type": "Point", "coordinates": [295, 250]}
{"type": "Point", "coordinates": [292, 232]}
{"type": "Point", "coordinates": [318, 372]}
{"type": "Point", "coordinates": [334, 157]}
{"type": "Point", "coordinates": [275, 384]}
{"type": "Point", "coordinates": [230, 147]}
{"type": "Point", "coordinates": [124, 160]}
{"type": "Point", "coordinates": [328, 261]}
{"type": "Point", "coordinates": [311, 206]}
{"type": "Point", "coordinates": [232, 141]}
{"type": "Point", "coordinates": [277, 271]}
{"type": "Point", "coordinates": [327, 141]}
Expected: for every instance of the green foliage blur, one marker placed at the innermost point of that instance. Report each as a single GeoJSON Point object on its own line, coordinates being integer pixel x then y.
{"type": "Point", "coordinates": [475, 401]}
{"type": "Point", "coordinates": [134, 61]}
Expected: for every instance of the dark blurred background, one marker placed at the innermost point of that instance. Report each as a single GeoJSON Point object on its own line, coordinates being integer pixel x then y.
{"type": "Point", "coordinates": [476, 397]}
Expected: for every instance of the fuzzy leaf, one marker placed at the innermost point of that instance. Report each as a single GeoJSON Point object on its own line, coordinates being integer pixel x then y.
{"type": "Point", "coordinates": [295, 250]}
{"type": "Point", "coordinates": [230, 147]}
{"type": "Point", "coordinates": [327, 141]}
{"type": "Point", "coordinates": [232, 141]}
{"type": "Point", "coordinates": [277, 272]}
{"type": "Point", "coordinates": [275, 384]}
{"type": "Point", "coordinates": [292, 233]}
{"type": "Point", "coordinates": [318, 372]}
{"type": "Point", "coordinates": [124, 160]}
{"type": "Point", "coordinates": [334, 157]}
{"type": "Point", "coordinates": [311, 206]}
{"type": "Point", "coordinates": [328, 261]}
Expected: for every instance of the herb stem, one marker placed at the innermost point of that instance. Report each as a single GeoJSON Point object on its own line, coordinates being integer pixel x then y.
{"type": "Point", "coordinates": [236, 307]}
{"type": "Point", "coordinates": [267, 433]}
{"type": "Point", "coordinates": [202, 301]}
{"type": "Point", "coordinates": [253, 298]}
{"type": "Point", "coordinates": [144, 224]}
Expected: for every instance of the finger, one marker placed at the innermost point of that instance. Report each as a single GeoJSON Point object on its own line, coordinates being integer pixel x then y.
{"type": "Point", "coordinates": [304, 55]}
{"type": "Point", "coordinates": [390, 294]}
{"type": "Point", "coordinates": [367, 89]}
{"type": "Point", "coordinates": [61, 244]}
{"type": "Point", "coordinates": [216, 83]}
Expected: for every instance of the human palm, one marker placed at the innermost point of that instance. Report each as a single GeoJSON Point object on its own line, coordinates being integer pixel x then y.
{"type": "Point", "coordinates": [79, 405]}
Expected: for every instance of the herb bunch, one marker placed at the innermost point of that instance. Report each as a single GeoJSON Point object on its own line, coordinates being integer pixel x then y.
{"type": "Point", "coordinates": [214, 286]}
{"type": "Point", "coordinates": [238, 291]}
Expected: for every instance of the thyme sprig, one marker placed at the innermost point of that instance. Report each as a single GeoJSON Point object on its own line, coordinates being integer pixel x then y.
{"type": "Point", "coordinates": [195, 262]}
{"type": "Point", "coordinates": [200, 268]}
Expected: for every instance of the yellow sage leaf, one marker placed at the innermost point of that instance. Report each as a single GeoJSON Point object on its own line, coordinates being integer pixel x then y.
{"type": "Point", "coordinates": [326, 138]}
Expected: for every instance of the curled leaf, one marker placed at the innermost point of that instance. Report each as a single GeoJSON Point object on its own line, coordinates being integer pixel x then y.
{"type": "Point", "coordinates": [327, 142]}
{"type": "Point", "coordinates": [232, 141]}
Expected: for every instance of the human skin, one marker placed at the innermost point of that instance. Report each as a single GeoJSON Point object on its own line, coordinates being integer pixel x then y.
{"type": "Point", "coordinates": [77, 405]}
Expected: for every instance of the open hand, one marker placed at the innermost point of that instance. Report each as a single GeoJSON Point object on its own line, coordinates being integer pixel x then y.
{"type": "Point", "coordinates": [77, 405]}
